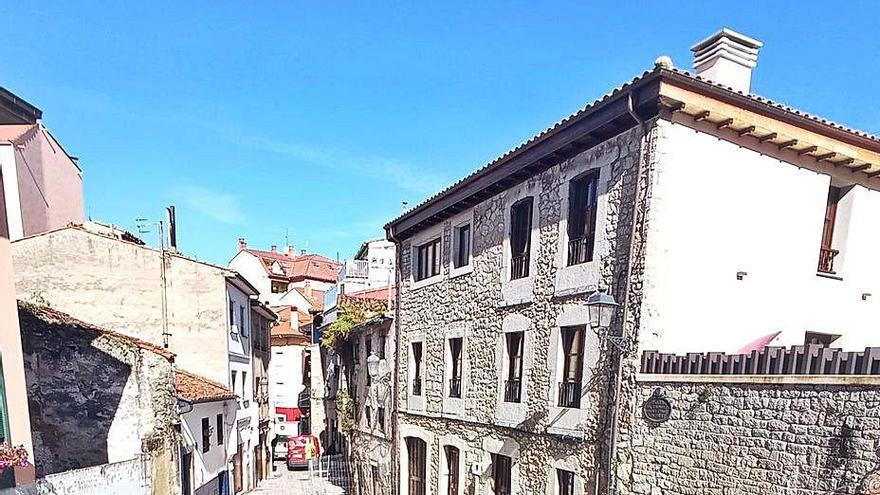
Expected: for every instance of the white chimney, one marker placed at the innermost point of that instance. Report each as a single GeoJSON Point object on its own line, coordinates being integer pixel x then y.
{"type": "Point", "coordinates": [727, 58]}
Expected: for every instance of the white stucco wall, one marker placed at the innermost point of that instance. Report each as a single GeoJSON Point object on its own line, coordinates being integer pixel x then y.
{"type": "Point", "coordinates": [285, 375]}
{"type": "Point", "coordinates": [717, 209]}
{"type": "Point", "coordinates": [207, 465]}
{"type": "Point", "coordinates": [251, 268]}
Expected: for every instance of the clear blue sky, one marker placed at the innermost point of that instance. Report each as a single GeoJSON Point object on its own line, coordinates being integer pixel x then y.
{"type": "Point", "coordinates": [256, 117]}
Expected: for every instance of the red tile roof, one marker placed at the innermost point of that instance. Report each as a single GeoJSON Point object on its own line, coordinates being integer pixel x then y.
{"type": "Point", "coordinates": [284, 329]}
{"type": "Point", "coordinates": [299, 267]}
{"type": "Point", "coordinates": [316, 297]}
{"type": "Point", "coordinates": [195, 389]}
{"type": "Point", "coordinates": [380, 293]}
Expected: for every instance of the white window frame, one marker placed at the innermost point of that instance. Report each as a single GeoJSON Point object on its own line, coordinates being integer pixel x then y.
{"type": "Point", "coordinates": [584, 277]}
{"type": "Point", "coordinates": [513, 413]}
{"type": "Point", "coordinates": [461, 445]}
{"type": "Point", "coordinates": [458, 221]}
{"type": "Point", "coordinates": [521, 290]}
{"type": "Point", "coordinates": [505, 446]}
{"type": "Point", "coordinates": [453, 406]}
{"type": "Point", "coordinates": [407, 430]}
{"type": "Point", "coordinates": [421, 239]}
{"type": "Point", "coordinates": [415, 403]}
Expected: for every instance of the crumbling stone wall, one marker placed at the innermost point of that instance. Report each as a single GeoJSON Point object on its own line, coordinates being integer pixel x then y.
{"type": "Point", "coordinates": [474, 301]}
{"type": "Point", "coordinates": [96, 398]}
{"type": "Point", "coordinates": [753, 438]}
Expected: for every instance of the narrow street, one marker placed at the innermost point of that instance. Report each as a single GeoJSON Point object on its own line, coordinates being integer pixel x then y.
{"type": "Point", "coordinates": [283, 482]}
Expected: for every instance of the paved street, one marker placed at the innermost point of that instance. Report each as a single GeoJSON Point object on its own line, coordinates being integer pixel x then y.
{"type": "Point", "coordinates": [284, 482]}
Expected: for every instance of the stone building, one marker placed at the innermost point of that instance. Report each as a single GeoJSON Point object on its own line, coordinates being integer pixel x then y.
{"type": "Point", "coordinates": [711, 215]}
{"type": "Point", "coordinates": [98, 399]}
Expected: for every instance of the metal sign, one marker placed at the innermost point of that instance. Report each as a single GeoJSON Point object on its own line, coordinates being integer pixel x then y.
{"type": "Point", "coordinates": [657, 409]}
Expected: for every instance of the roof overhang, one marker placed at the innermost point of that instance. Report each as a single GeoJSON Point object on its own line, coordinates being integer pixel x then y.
{"type": "Point", "coordinates": [242, 284]}
{"type": "Point", "coordinates": [654, 93]}
{"type": "Point", "coordinates": [14, 110]}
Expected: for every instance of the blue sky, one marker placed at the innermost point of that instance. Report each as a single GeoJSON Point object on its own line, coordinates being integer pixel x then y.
{"type": "Point", "coordinates": [318, 119]}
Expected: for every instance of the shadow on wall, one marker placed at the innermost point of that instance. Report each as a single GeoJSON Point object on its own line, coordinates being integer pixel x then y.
{"type": "Point", "coordinates": [74, 392]}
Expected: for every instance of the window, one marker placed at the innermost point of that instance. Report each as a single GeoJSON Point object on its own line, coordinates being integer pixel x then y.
{"type": "Point", "coordinates": [572, 366]}
{"type": "Point", "coordinates": [244, 385]}
{"type": "Point", "coordinates": [368, 414]}
{"type": "Point", "coordinates": [513, 384]}
{"type": "Point", "coordinates": [462, 246]}
{"type": "Point", "coordinates": [455, 374]}
{"type": "Point", "coordinates": [279, 287]}
{"type": "Point", "coordinates": [368, 342]}
{"type": "Point", "coordinates": [380, 418]}
{"type": "Point", "coordinates": [231, 313]}
{"type": "Point", "coordinates": [428, 260]}
{"type": "Point", "coordinates": [565, 480]}
{"type": "Point", "coordinates": [206, 435]}
{"type": "Point", "coordinates": [501, 474]}
{"type": "Point", "coordinates": [416, 450]}
{"type": "Point", "coordinates": [219, 429]}
{"type": "Point", "coordinates": [417, 368]}
{"type": "Point", "coordinates": [234, 383]}
{"type": "Point", "coordinates": [520, 238]}
{"type": "Point", "coordinates": [241, 326]}
{"type": "Point", "coordinates": [381, 346]}
{"type": "Point", "coordinates": [582, 219]}
{"type": "Point", "coordinates": [826, 252]}
{"type": "Point", "coordinates": [452, 462]}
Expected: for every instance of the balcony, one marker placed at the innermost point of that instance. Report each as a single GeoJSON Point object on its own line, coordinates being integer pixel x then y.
{"type": "Point", "coordinates": [354, 269]}
{"type": "Point", "coordinates": [580, 250]}
{"type": "Point", "coordinates": [455, 388]}
{"type": "Point", "coordinates": [512, 390]}
{"type": "Point", "coordinates": [519, 267]}
{"type": "Point", "coordinates": [826, 260]}
{"type": "Point", "coordinates": [417, 386]}
{"type": "Point", "coordinates": [570, 394]}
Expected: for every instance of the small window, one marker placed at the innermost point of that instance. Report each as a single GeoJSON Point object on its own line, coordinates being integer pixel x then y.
{"type": "Point", "coordinates": [501, 474]}
{"type": "Point", "coordinates": [380, 418]}
{"type": "Point", "coordinates": [427, 260]}
{"type": "Point", "coordinates": [381, 347]}
{"type": "Point", "coordinates": [462, 255]}
{"type": "Point", "coordinates": [455, 373]}
{"type": "Point", "coordinates": [279, 287]}
{"type": "Point", "coordinates": [565, 480]}
{"type": "Point", "coordinates": [520, 238]}
{"type": "Point", "coordinates": [206, 435]}
{"type": "Point", "coordinates": [244, 385]}
{"type": "Point", "coordinates": [377, 480]}
{"type": "Point", "coordinates": [513, 384]}
{"type": "Point", "coordinates": [416, 450]}
{"type": "Point", "coordinates": [219, 428]}
{"type": "Point", "coordinates": [368, 416]}
{"type": "Point", "coordinates": [572, 366]}
{"type": "Point", "coordinates": [417, 368]}
{"type": "Point", "coordinates": [233, 382]}
{"type": "Point", "coordinates": [452, 463]}
{"type": "Point", "coordinates": [582, 219]}
{"type": "Point", "coordinates": [231, 313]}
{"type": "Point", "coordinates": [368, 342]}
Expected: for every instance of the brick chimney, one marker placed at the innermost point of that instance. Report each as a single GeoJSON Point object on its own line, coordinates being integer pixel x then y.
{"type": "Point", "coordinates": [727, 58]}
{"type": "Point", "coordinates": [242, 244]}
{"type": "Point", "coordinates": [274, 248]}
{"type": "Point", "coordinates": [291, 251]}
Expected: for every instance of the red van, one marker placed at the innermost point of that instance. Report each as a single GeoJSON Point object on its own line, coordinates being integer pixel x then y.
{"type": "Point", "coordinates": [302, 449]}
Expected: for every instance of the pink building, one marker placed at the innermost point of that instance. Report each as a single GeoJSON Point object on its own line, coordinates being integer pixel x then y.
{"type": "Point", "coordinates": [40, 184]}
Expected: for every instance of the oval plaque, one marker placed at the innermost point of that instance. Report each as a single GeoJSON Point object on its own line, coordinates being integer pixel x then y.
{"type": "Point", "coordinates": [657, 409]}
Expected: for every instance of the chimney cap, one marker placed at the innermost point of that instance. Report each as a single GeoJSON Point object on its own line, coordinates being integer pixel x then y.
{"type": "Point", "coordinates": [273, 248]}
{"type": "Point", "coordinates": [663, 61]}
{"type": "Point", "coordinates": [730, 34]}
{"type": "Point", "coordinates": [242, 244]}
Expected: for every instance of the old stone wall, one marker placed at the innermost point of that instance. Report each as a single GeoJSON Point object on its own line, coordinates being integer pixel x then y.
{"type": "Point", "coordinates": [753, 438]}
{"type": "Point", "coordinates": [126, 477]}
{"type": "Point", "coordinates": [96, 398]}
{"type": "Point", "coordinates": [478, 305]}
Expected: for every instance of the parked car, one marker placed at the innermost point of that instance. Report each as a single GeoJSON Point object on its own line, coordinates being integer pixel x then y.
{"type": "Point", "coordinates": [279, 452]}
{"type": "Point", "coordinates": [302, 449]}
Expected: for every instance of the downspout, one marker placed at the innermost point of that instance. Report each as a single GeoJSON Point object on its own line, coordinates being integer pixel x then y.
{"type": "Point", "coordinates": [395, 449]}
{"type": "Point", "coordinates": [614, 403]}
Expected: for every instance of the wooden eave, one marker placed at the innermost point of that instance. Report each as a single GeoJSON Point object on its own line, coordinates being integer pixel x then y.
{"type": "Point", "coordinates": [767, 124]}
{"type": "Point", "coordinates": [588, 128]}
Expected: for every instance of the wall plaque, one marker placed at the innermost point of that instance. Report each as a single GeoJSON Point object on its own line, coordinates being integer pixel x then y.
{"type": "Point", "coordinates": [657, 409]}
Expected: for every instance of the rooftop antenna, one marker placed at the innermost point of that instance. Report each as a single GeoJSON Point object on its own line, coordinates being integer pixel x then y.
{"type": "Point", "coordinates": [405, 204]}
{"type": "Point", "coordinates": [143, 227]}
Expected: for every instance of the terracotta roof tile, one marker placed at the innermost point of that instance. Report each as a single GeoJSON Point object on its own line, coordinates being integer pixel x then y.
{"type": "Point", "coordinates": [303, 266]}
{"type": "Point", "coordinates": [380, 293]}
{"type": "Point", "coordinates": [195, 389]}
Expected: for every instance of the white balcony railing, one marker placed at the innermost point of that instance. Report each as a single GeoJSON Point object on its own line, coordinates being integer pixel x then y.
{"type": "Point", "coordinates": [355, 269]}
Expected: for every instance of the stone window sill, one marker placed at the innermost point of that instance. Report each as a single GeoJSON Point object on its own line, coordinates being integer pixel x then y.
{"type": "Point", "coordinates": [829, 276]}
{"type": "Point", "coordinates": [426, 281]}
{"type": "Point", "coordinates": [464, 270]}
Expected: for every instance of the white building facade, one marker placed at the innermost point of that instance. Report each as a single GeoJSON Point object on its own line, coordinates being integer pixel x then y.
{"type": "Point", "coordinates": [372, 267]}
{"type": "Point", "coordinates": [712, 217]}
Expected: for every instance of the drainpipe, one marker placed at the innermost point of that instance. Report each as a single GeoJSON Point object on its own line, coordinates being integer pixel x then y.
{"type": "Point", "coordinates": [395, 449]}
{"type": "Point", "coordinates": [614, 403]}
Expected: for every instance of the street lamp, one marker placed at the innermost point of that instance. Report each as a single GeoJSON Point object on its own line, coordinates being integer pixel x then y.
{"type": "Point", "coordinates": [602, 307]}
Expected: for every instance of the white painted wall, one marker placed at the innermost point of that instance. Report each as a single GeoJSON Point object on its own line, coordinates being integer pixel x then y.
{"type": "Point", "coordinates": [251, 268]}
{"type": "Point", "coordinates": [245, 431]}
{"type": "Point", "coordinates": [285, 378]}
{"type": "Point", "coordinates": [207, 465]}
{"type": "Point", "coordinates": [718, 208]}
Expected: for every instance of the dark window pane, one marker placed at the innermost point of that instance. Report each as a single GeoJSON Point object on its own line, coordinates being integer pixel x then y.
{"type": "Point", "coordinates": [455, 345]}
{"type": "Point", "coordinates": [582, 201]}
{"type": "Point", "coordinates": [565, 479]}
{"type": "Point", "coordinates": [501, 474]}
{"type": "Point", "coordinates": [513, 384]}
{"type": "Point", "coordinates": [452, 461]}
{"type": "Point", "coordinates": [416, 449]}
{"type": "Point", "coordinates": [463, 243]}
{"type": "Point", "coordinates": [428, 260]}
{"type": "Point", "coordinates": [520, 238]}
{"type": "Point", "coordinates": [417, 368]}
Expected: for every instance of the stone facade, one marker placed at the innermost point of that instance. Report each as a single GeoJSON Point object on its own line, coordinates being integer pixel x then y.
{"type": "Point", "coordinates": [96, 397]}
{"type": "Point", "coordinates": [481, 304]}
{"type": "Point", "coordinates": [754, 437]}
